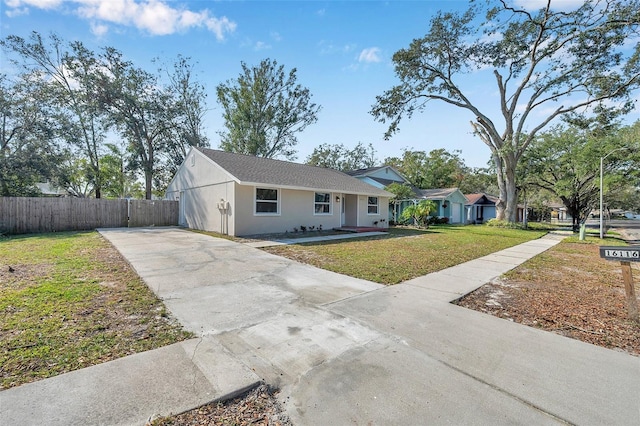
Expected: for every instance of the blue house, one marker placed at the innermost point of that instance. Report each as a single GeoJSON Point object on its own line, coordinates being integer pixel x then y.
{"type": "Point", "coordinates": [450, 202]}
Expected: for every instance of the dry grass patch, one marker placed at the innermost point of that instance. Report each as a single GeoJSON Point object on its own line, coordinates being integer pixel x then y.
{"type": "Point", "coordinates": [568, 290]}
{"type": "Point", "coordinates": [68, 301]}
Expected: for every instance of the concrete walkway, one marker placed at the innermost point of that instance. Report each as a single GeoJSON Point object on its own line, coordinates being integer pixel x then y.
{"type": "Point", "coordinates": [343, 350]}
{"type": "Point", "coordinates": [301, 240]}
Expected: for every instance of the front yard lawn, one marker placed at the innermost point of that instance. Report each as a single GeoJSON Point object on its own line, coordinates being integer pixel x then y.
{"type": "Point", "coordinates": [405, 253]}
{"type": "Point", "coordinates": [69, 300]}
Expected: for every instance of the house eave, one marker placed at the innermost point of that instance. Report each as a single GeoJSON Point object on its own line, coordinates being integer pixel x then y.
{"type": "Point", "coordinates": [380, 193]}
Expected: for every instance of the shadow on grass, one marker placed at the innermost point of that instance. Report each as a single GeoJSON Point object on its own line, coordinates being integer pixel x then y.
{"type": "Point", "coordinates": [44, 236]}
{"type": "Point", "coordinates": [390, 234]}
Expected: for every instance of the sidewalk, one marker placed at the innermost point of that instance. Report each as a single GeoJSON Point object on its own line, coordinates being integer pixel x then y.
{"type": "Point", "coordinates": [341, 349]}
{"type": "Point", "coordinates": [130, 390]}
{"type": "Point", "coordinates": [301, 240]}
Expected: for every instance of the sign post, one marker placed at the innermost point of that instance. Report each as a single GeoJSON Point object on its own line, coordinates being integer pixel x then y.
{"type": "Point", "coordinates": [625, 255]}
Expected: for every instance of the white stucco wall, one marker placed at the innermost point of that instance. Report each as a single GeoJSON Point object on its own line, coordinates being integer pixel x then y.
{"type": "Point", "coordinates": [199, 187]}
{"type": "Point", "coordinates": [296, 210]}
{"type": "Point", "coordinates": [366, 219]}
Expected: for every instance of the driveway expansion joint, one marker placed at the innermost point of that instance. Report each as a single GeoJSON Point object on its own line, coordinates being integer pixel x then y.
{"type": "Point", "coordinates": [340, 348]}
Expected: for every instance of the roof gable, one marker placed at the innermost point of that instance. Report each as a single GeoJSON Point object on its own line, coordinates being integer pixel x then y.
{"type": "Point", "coordinates": [381, 172]}
{"type": "Point", "coordinates": [481, 198]}
{"type": "Point", "coordinates": [452, 194]}
{"type": "Point", "coordinates": [252, 170]}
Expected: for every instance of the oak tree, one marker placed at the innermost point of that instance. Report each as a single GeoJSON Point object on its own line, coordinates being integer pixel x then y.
{"type": "Point", "coordinates": [546, 64]}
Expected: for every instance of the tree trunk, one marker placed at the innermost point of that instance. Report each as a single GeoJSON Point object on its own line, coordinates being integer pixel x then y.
{"type": "Point", "coordinates": [148, 179]}
{"type": "Point", "coordinates": [507, 205]}
{"type": "Point", "coordinates": [511, 210]}
{"type": "Point", "coordinates": [148, 167]}
{"type": "Point", "coordinates": [502, 200]}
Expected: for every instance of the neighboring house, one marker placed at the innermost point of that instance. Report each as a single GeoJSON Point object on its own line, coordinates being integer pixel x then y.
{"type": "Point", "coordinates": [449, 201]}
{"type": "Point", "coordinates": [380, 177]}
{"type": "Point", "coordinates": [239, 194]}
{"type": "Point", "coordinates": [49, 190]}
{"type": "Point", "coordinates": [480, 208]}
{"type": "Point", "coordinates": [559, 213]}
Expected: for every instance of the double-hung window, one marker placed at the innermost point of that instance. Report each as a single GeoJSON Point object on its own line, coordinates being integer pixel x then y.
{"type": "Point", "coordinates": [372, 205]}
{"type": "Point", "coordinates": [322, 204]}
{"type": "Point", "coordinates": [267, 201]}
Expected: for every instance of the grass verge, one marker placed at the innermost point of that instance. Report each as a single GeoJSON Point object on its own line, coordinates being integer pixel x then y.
{"type": "Point", "coordinates": [68, 301]}
{"type": "Point", "coordinates": [405, 253]}
{"type": "Point", "coordinates": [567, 290]}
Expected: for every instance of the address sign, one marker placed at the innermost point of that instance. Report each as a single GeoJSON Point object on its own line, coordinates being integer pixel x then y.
{"type": "Point", "coordinates": [628, 254]}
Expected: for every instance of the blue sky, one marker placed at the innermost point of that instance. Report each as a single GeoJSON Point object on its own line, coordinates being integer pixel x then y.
{"type": "Point", "coordinates": [341, 49]}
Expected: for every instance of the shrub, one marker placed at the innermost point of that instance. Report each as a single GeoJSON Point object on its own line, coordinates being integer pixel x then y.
{"type": "Point", "coordinates": [503, 224]}
{"type": "Point", "coordinates": [435, 220]}
{"type": "Point", "coordinates": [419, 213]}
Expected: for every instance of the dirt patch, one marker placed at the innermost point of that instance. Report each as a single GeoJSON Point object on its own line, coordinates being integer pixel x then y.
{"type": "Point", "coordinates": [81, 307]}
{"type": "Point", "coordinates": [258, 407]}
{"type": "Point", "coordinates": [584, 300]}
{"type": "Point", "coordinates": [22, 275]}
{"type": "Point", "coordinates": [308, 257]}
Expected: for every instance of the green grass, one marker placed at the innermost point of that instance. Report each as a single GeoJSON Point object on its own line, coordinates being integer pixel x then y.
{"type": "Point", "coordinates": [71, 302]}
{"type": "Point", "coordinates": [406, 253]}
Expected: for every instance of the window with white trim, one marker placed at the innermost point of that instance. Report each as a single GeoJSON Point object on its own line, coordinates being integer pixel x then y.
{"type": "Point", "coordinates": [267, 201]}
{"type": "Point", "coordinates": [322, 203]}
{"type": "Point", "coordinates": [372, 205]}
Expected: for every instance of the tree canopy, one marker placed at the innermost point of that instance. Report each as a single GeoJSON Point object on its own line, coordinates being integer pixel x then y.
{"type": "Point", "coordinates": [437, 169]}
{"type": "Point", "coordinates": [546, 64]}
{"type": "Point", "coordinates": [28, 151]}
{"type": "Point", "coordinates": [339, 157]}
{"type": "Point", "coordinates": [565, 161]}
{"type": "Point", "coordinates": [81, 98]}
{"type": "Point", "coordinates": [67, 76]}
{"type": "Point", "coordinates": [263, 110]}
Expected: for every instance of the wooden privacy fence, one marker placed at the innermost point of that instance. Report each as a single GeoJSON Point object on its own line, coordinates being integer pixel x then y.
{"type": "Point", "coordinates": [22, 215]}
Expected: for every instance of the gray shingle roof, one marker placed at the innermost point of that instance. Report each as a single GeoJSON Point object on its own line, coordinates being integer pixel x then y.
{"type": "Point", "coordinates": [251, 170]}
{"type": "Point", "coordinates": [481, 198]}
{"type": "Point", "coordinates": [439, 193]}
{"type": "Point", "coordinates": [364, 172]}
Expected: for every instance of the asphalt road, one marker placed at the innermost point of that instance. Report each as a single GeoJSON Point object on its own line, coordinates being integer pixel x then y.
{"type": "Point", "coordinates": [629, 228]}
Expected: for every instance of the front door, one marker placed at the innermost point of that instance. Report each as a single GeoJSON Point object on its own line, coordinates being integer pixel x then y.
{"type": "Point", "coordinates": [343, 206]}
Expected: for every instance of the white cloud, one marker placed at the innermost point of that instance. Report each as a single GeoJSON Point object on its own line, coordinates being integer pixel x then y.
{"type": "Point", "coordinates": [220, 26]}
{"type": "Point", "coordinates": [17, 12]}
{"type": "Point", "coordinates": [275, 36]}
{"type": "Point", "coordinates": [99, 29]}
{"type": "Point", "coordinates": [40, 4]}
{"type": "Point", "coordinates": [156, 17]}
{"type": "Point", "coordinates": [261, 45]}
{"type": "Point", "coordinates": [533, 5]}
{"type": "Point", "coordinates": [369, 55]}
{"type": "Point", "coordinates": [328, 48]}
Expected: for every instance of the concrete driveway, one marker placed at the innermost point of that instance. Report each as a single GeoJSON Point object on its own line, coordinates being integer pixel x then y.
{"type": "Point", "coordinates": [347, 351]}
